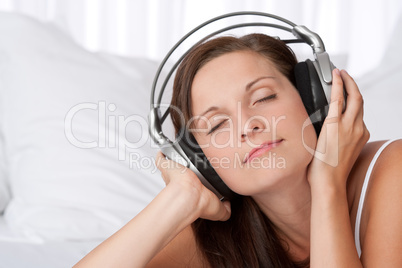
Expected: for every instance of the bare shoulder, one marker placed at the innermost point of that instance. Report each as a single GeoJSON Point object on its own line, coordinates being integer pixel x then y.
{"type": "Point", "coordinates": [362, 163]}
{"type": "Point", "coordinates": [358, 172]}
{"type": "Point", "coordinates": [381, 229]}
{"type": "Point", "coordinates": [182, 251]}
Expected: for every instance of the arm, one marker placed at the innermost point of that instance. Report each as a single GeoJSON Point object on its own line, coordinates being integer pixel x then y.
{"type": "Point", "coordinates": [332, 242]}
{"type": "Point", "coordinates": [380, 232]}
{"type": "Point", "coordinates": [182, 201]}
{"type": "Point", "coordinates": [341, 139]}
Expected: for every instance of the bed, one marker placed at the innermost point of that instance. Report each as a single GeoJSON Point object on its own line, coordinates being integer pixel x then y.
{"type": "Point", "coordinates": [76, 162]}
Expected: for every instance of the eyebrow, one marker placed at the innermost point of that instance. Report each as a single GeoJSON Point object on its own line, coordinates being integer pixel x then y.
{"type": "Point", "coordinates": [248, 87]}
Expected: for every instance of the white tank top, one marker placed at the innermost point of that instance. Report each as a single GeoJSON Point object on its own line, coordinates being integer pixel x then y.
{"type": "Point", "coordinates": [363, 195]}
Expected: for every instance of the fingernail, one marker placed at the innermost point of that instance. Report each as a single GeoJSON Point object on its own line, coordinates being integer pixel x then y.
{"type": "Point", "coordinates": [228, 207]}
{"type": "Point", "coordinates": [337, 71]}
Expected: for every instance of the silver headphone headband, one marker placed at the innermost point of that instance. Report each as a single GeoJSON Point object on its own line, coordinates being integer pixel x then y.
{"type": "Point", "coordinates": [174, 150]}
{"type": "Point", "coordinates": [302, 34]}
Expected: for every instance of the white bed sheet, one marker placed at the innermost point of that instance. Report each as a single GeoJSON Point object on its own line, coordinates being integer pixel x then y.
{"type": "Point", "coordinates": [17, 251]}
{"type": "Point", "coordinates": [382, 93]}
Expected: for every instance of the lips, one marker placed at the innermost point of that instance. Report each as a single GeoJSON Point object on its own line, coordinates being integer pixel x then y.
{"type": "Point", "coordinates": [263, 148]}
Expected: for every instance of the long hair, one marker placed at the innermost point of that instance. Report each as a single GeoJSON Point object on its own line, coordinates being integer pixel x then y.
{"type": "Point", "coordinates": [248, 238]}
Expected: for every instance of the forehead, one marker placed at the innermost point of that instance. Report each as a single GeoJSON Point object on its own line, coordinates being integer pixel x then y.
{"type": "Point", "coordinates": [226, 77]}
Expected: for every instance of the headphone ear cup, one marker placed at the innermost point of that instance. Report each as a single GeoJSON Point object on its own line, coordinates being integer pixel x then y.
{"type": "Point", "coordinates": [310, 88]}
{"type": "Point", "coordinates": [193, 151]}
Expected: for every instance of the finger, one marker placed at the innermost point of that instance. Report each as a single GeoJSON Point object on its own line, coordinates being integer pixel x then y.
{"type": "Point", "coordinates": [228, 210]}
{"type": "Point", "coordinates": [221, 212]}
{"type": "Point", "coordinates": [354, 107]}
{"type": "Point", "coordinates": [159, 160]}
{"type": "Point", "coordinates": [337, 98]}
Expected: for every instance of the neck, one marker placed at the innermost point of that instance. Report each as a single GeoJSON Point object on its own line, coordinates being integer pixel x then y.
{"type": "Point", "coordinates": [289, 210]}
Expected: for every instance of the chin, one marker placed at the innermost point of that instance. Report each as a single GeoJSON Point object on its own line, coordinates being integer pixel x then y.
{"type": "Point", "coordinates": [255, 181]}
{"type": "Point", "coordinates": [277, 172]}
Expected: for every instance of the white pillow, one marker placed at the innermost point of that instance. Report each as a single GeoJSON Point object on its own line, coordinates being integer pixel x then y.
{"type": "Point", "coordinates": [72, 123]}
{"type": "Point", "coordinates": [4, 187]}
{"type": "Point", "coordinates": [382, 92]}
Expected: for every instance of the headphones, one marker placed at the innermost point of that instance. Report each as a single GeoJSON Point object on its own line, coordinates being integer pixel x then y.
{"type": "Point", "coordinates": [313, 81]}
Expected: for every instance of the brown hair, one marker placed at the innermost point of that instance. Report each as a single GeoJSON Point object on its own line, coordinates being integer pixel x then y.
{"type": "Point", "coordinates": [248, 238]}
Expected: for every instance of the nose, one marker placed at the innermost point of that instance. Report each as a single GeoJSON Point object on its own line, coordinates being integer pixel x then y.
{"type": "Point", "coordinates": [252, 126]}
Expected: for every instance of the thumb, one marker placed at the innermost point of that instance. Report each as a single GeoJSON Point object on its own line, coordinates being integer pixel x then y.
{"type": "Point", "coordinates": [227, 210]}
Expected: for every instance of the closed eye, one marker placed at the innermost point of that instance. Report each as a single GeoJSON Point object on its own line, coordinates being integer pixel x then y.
{"type": "Point", "coordinates": [267, 98]}
{"type": "Point", "coordinates": [216, 127]}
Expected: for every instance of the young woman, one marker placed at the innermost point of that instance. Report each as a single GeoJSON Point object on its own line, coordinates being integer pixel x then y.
{"type": "Point", "coordinates": [299, 194]}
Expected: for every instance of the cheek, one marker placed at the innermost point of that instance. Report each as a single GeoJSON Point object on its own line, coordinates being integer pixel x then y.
{"type": "Point", "coordinates": [213, 143]}
{"type": "Point", "coordinates": [303, 134]}
{"type": "Point", "coordinates": [223, 138]}
{"type": "Point", "coordinates": [220, 158]}
{"type": "Point", "coordinates": [294, 125]}
{"type": "Point", "coordinates": [309, 137]}
{"type": "Point", "coordinates": [223, 160]}
{"type": "Point", "coordinates": [305, 127]}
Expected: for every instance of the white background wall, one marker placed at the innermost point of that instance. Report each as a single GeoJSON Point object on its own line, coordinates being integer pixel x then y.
{"type": "Point", "coordinates": [358, 29]}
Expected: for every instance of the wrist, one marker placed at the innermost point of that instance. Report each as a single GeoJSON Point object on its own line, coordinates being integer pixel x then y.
{"type": "Point", "coordinates": [328, 193]}
{"type": "Point", "coordinates": [185, 197]}
{"type": "Point", "coordinates": [327, 181]}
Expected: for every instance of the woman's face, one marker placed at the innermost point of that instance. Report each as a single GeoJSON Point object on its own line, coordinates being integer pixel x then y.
{"type": "Point", "coordinates": [251, 123]}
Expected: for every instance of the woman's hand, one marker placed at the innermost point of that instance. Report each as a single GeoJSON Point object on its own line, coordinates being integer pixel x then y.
{"type": "Point", "coordinates": [199, 199]}
{"type": "Point", "coordinates": [178, 205]}
{"type": "Point", "coordinates": [342, 137]}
